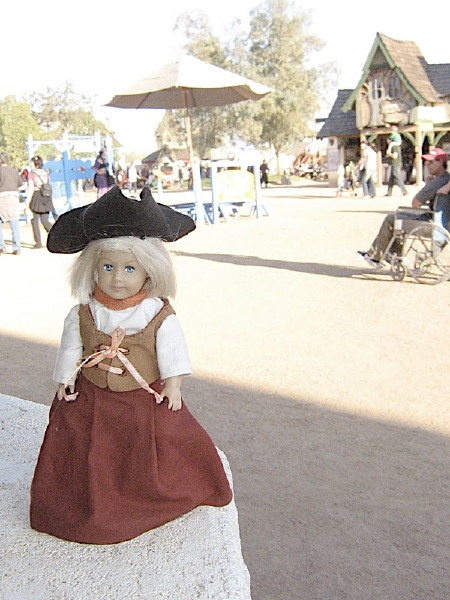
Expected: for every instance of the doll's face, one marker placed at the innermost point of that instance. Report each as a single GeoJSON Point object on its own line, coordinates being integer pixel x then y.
{"type": "Point", "coordinates": [119, 274]}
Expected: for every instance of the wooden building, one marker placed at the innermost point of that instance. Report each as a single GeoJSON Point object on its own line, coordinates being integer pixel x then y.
{"type": "Point", "coordinates": [399, 90]}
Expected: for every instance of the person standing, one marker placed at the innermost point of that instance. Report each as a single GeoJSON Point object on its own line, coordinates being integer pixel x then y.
{"type": "Point", "coordinates": [340, 180]}
{"type": "Point", "coordinates": [10, 182]}
{"type": "Point", "coordinates": [350, 177]}
{"type": "Point", "coordinates": [264, 170]}
{"type": "Point", "coordinates": [394, 153]}
{"type": "Point", "coordinates": [371, 169]}
{"type": "Point", "coordinates": [101, 173]}
{"type": "Point", "coordinates": [41, 206]}
{"type": "Point", "coordinates": [180, 177]}
{"type": "Point", "coordinates": [368, 169]}
{"type": "Point", "coordinates": [132, 177]}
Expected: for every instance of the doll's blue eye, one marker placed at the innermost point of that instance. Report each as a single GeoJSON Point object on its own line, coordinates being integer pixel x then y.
{"type": "Point", "coordinates": [108, 267]}
{"type": "Point", "coordinates": [129, 269]}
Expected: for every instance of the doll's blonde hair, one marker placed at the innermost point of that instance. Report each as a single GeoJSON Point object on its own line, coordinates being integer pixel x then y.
{"type": "Point", "coordinates": [150, 254]}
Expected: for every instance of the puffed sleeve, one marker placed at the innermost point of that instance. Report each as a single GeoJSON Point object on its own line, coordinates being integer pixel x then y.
{"type": "Point", "coordinates": [171, 349]}
{"type": "Point", "coordinates": [70, 349]}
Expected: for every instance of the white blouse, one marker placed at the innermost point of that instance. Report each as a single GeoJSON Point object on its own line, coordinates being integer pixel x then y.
{"type": "Point", "coordinates": [171, 349]}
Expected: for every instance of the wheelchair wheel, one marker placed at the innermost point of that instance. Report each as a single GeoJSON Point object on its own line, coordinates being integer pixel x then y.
{"type": "Point", "coordinates": [426, 253]}
{"type": "Point", "coordinates": [398, 270]}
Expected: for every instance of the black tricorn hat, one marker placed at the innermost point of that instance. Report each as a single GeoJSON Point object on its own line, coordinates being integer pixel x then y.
{"type": "Point", "coordinates": [115, 215]}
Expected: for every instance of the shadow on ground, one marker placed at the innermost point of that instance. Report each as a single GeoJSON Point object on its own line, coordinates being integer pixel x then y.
{"type": "Point", "coordinates": [32, 364]}
{"type": "Point", "coordinates": [300, 267]}
{"type": "Point", "coordinates": [301, 195]}
{"type": "Point", "coordinates": [23, 244]}
{"type": "Point", "coordinates": [371, 534]}
{"type": "Point", "coordinates": [362, 211]}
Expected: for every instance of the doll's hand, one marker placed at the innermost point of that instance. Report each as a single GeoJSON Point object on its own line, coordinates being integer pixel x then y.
{"type": "Point", "coordinates": [65, 391]}
{"type": "Point", "coordinates": [172, 391]}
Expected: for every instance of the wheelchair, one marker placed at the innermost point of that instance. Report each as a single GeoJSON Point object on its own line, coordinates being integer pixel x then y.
{"type": "Point", "coordinates": [419, 247]}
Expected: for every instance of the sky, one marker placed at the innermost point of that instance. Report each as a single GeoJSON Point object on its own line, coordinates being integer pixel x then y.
{"type": "Point", "coordinates": [104, 47]}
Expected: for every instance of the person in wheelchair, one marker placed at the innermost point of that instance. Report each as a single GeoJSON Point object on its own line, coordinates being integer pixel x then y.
{"type": "Point", "coordinates": [438, 181]}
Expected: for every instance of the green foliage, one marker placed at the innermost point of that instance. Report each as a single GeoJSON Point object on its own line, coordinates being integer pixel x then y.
{"type": "Point", "coordinates": [56, 109]}
{"type": "Point", "coordinates": [276, 51]}
{"type": "Point", "coordinates": [171, 131]}
{"type": "Point", "coordinates": [45, 116]}
{"type": "Point", "coordinates": [279, 48]}
{"type": "Point", "coordinates": [63, 109]}
{"type": "Point", "coordinates": [209, 125]}
{"type": "Point", "coordinates": [195, 27]}
{"type": "Point", "coordinates": [16, 124]}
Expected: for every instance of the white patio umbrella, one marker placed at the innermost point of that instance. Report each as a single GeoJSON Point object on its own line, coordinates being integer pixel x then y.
{"type": "Point", "coordinates": [188, 82]}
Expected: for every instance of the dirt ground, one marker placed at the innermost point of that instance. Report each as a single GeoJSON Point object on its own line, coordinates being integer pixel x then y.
{"type": "Point", "coordinates": [325, 383]}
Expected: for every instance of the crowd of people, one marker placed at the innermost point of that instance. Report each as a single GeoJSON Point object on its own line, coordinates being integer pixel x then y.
{"type": "Point", "coordinates": [135, 176]}
{"type": "Point", "coordinates": [364, 171]}
{"type": "Point", "coordinates": [29, 191]}
{"type": "Point", "coordinates": [33, 183]}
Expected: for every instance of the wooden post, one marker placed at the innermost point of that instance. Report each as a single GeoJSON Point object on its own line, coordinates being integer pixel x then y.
{"type": "Point", "coordinates": [418, 158]}
{"type": "Point", "coordinates": [379, 164]}
{"type": "Point", "coordinates": [196, 179]}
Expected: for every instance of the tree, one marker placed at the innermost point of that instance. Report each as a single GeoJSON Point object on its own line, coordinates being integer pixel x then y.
{"type": "Point", "coordinates": [209, 125]}
{"type": "Point", "coordinates": [279, 49]}
{"type": "Point", "coordinates": [276, 51]}
{"type": "Point", "coordinates": [45, 116]}
{"type": "Point", "coordinates": [171, 130]}
{"type": "Point", "coordinates": [16, 124]}
{"type": "Point", "coordinates": [63, 109]}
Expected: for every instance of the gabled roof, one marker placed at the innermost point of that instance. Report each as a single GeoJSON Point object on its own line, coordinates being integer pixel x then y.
{"type": "Point", "coordinates": [339, 123]}
{"type": "Point", "coordinates": [406, 59]}
{"type": "Point", "coordinates": [439, 76]}
{"type": "Point", "coordinates": [157, 154]}
{"type": "Point", "coordinates": [174, 155]}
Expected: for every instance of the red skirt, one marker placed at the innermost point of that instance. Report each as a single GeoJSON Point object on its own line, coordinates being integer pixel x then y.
{"type": "Point", "coordinates": [114, 465]}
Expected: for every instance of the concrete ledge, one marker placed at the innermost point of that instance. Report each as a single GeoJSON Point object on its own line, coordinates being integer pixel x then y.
{"type": "Point", "coordinates": [197, 556]}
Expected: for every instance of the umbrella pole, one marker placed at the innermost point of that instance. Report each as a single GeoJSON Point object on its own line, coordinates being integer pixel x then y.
{"type": "Point", "coordinates": [196, 181]}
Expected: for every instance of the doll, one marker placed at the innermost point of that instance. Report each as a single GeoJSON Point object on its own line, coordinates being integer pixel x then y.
{"type": "Point", "coordinates": [121, 454]}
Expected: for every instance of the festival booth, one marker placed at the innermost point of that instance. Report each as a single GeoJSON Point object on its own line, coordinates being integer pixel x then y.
{"type": "Point", "coordinates": [235, 191]}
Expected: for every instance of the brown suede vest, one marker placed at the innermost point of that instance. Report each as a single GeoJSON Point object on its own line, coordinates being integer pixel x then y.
{"type": "Point", "coordinates": [141, 348]}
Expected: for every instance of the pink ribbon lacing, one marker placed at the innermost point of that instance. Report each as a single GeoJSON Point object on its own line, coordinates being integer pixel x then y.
{"type": "Point", "coordinates": [112, 351]}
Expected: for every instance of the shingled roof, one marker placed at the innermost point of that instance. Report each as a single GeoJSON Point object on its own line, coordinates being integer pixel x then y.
{"type": "Point", "coordinates": [339, 123]}
{"type": "Point", "coordinates": [407, 60]}
{"type": "Point", "coordinates": [408, 57]}
{"type": "Point", "coordinates": [157, 154]}
{"type": "Point", "coordinates": [439, 76]}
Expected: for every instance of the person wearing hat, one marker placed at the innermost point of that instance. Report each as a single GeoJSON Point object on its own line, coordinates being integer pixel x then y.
{"type": "Point", "coordinates": [394, 153]}
{"type": "Point", "coordinates": [439, 178]}
{"type": "Point", "coordinates": [122, 454]}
